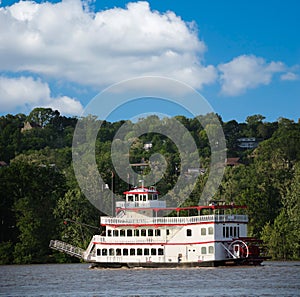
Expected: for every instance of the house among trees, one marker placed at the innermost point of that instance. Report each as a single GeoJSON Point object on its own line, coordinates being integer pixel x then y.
{"type": "Point", "coordinates": [247, 142]}
{"type": "Point", "coordinates": [196, 171]}
{"type": "Point", "coordinates": [148, 146]}
{"type": "Point", "coordinates": [29, 126]}
{"type": "Point", "coordinates": [232, 161]}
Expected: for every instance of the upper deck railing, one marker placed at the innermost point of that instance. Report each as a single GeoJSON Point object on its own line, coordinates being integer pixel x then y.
{"type": "Point", "coordinates": [174, 220]}
{"type": "Point", "coordinates": [141, 204]}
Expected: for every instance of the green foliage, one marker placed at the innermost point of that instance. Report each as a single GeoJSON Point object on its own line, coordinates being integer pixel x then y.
{"type": "Point", "coordinates": [10, 135]}
{"type": "Point", "coordinates": [283, 236]}
{"type": "Point", "coordinates": [31, 193]}
{"type": "Point", "coordinates": [73, 212]}
{"type": "Point", "coordinates": [6, 256]}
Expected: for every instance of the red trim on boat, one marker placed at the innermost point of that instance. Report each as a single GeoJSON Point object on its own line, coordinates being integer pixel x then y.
{"type": "Point", "coordinates": [162, 225]}
{"type": "Point", "coordinates": [162, 243]}
{"type": "Point", "coordinates": [177, 209]}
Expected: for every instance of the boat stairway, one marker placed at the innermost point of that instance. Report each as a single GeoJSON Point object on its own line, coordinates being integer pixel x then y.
{"type": "Point", "coordinates": [66, 248]}
{"type": "Point", "coordinates": [174, 233]}
{"type": "Point", "coordinates": [121, 214]}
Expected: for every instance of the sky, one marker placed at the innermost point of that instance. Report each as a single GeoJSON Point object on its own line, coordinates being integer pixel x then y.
{"type": "Point", "coordinates": [243, 57]}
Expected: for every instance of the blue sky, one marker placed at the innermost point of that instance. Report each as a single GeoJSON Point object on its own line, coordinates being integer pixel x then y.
{"type": "Point", "coordinates": [242, 56]}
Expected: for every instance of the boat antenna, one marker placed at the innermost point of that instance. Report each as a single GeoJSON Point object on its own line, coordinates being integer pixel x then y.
{"type": "Point", "coordinates": [142, 181]}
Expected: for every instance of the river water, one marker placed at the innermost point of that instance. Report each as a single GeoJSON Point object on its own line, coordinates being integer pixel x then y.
{"type": "Point", "coordinates": [271, 279]}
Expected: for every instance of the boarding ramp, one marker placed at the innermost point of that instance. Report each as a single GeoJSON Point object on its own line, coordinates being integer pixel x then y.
{"type": "Point", "coordinates": [67, 248]}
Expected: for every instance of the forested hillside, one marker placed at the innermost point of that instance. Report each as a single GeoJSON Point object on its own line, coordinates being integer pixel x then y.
{"type": "Point", "coordinates": [41, 200]}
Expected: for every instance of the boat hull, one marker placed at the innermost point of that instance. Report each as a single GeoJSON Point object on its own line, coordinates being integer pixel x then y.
{"type": "Point", "coordinates": [219, 263]}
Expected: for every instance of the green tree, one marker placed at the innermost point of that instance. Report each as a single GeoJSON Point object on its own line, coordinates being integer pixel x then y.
{"type": "Point", "coordinates": [33, 192]}
{"type": "Point", "coordinates": [10, 136]}
{"type": "Point", "coordinates": [283, 237]}
{"type": "Point", "coordinates": [42, 116]}
{"type": "Point", "coordinates": [74, 213]}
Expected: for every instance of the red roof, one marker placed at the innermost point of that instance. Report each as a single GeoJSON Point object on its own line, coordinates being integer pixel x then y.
{"type": "Point", "coordinates": [142, 190]}
{"type": "Point", "coordinates": [232, 161]}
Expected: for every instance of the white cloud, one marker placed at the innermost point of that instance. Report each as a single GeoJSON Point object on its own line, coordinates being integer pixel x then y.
{"type": "Point", "coordinates": [247, 72]}
{"type": "Point", "coordinates": [64, 40]}
{"type": "Point", "coordinates": [26, 93]}
{"type": "Point", "coordinates": [289, 76]}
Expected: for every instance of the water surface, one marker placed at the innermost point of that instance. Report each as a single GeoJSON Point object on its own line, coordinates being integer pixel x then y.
{"type": "Point", "coordinates": [271, 279]}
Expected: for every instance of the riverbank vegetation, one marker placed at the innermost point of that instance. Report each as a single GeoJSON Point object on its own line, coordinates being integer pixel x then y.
{"type": "Point", "coordinates": [41, 200]}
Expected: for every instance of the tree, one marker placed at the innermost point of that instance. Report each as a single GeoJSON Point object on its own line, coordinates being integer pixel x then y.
{"type": "Point", "coordinates": [74, 212]}
{"type": "Point", "coordinates": [42, 116]}
{"type": "Point", "coordinates": [33, 192]}
{"type": "Point", "coordinates": [10, 136]}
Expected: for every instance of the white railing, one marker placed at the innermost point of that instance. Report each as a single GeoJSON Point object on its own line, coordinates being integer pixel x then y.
{"type": "Point", "coordinates": [173, 220]}
{"type": "Point", "coordinates": [128, 240]}
{"type": "Point", "coordinates": [141, 204]}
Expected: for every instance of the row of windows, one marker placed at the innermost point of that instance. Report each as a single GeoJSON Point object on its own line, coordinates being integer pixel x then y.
{"type": "Point", "coordinates": [142, 252]}
{"type": "Point", "coordinates": [135, 232]}
{"type": "Point", "coordinates": [231, 231]}
{"type": "Point", "coordinates": [152, 232]}
{"type": "Point", "coordinates": [131, 252]}
{"type": "Point", "coordinates": [141, 197]}
{"type": "Point", "coordinates": [203, 231]}
{"type": "Point", "coordinates": [210, 250]}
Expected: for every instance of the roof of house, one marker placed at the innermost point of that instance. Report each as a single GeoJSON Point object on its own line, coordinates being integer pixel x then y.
{"type": "Point", "coordinates": [233, 161]}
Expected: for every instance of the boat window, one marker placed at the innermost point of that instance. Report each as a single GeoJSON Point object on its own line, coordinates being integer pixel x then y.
{"type": "Point", "coordinates": [132, 252]}
{"type": "Point", "coordinates": [141, 197]}
{"type": "Point", "coordinates": [104, 252]}
{"type": "Point", "coordinates": [118, 252]}
{"type": "Point", "coordinates": [150, 232]}
{"type": "Point", "coordinates": [153, 252]}
{"type": "Point", "coordinates": [234, 231]}
{"type": "Point", "coordinates": [188, 232]}
{"type": "Point", "coordinates": [168, 232]}
{"type": "Point", "coordinates": [125, 252]}
{"type": "Point", "coordinates": [136, 197]}
{"type": "Point", "coordinates": [154, 196]}
{"type": "Point", "coordinates": [98, 252]}
{"type": "Point", "coordinates": [144, 197]}
{"type": "Point", "coordinates": [108, 232]}
{"type": "Point", "coordinates": [122, 232]}
{"type": "Point", "coordinates": [136, 232]}
{"type": "Point", "coordinates": [146, 252]}
{"type": "Point", "coordinates": [116, 232]}
{"type": "Point", "coordinates": [130, 198]}
{"type": "Point", "coordinates": [203, 250]}
{"type": "Point", "coordinates": [160, 252]}
{"type": "Point", "coordinates": [210, 230]}
{"type": "Point", "coordinates": [129, 232]}
{"type": "Point", "coordinates": [139, 252]}
{"type": "Point", "coordinates": [238, 231]}
{"type": "Point", "coordinates": [157, 232]}
{"type": "Point", "coordinates": [143, 232]}
{"type": "Point", "coordinates": [227, 232]}
{"type": "Point", "coordinates": [203, 231]}
{"type": "Point", "coordinates": [210, 249]}
{"type": "Point", "coordinates": [231, 231]}
{"type": "Point", "coordinates": [111, 252]}
{"type": "Point", "coordinates": [224, 233]}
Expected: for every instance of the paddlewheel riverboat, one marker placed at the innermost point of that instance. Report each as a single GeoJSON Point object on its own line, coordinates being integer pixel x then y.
{"type": "Point", "coordinates": [141, 236]}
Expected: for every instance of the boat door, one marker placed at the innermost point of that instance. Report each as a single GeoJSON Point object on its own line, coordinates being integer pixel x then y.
{"type": "Point", "coordinates": [236, 250]}
{"type": "Point", "coordinates": [191, 253]}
